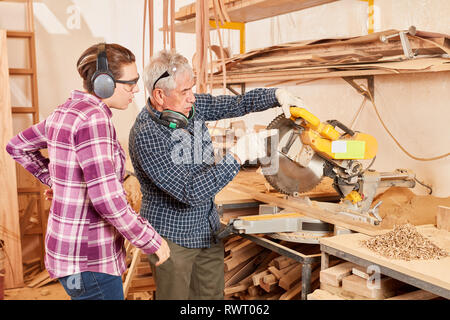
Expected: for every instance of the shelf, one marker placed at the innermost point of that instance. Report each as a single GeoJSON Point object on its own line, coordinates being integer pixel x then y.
{"type": "Point", "coordinates": [244, 11]}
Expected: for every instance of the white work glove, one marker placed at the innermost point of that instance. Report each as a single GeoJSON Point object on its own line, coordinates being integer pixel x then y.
{"type": "Point", "coordinates": [252, 146]}
{"type": "Point", "coordinates": [287, 100]}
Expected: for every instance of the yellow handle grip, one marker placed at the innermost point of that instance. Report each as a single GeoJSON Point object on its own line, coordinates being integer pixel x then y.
{"type": "Point", "coordinates": [297, 112]}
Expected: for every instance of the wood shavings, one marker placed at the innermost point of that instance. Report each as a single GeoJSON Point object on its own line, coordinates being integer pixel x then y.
{"type": "Point", "coordinates": [404, 243]}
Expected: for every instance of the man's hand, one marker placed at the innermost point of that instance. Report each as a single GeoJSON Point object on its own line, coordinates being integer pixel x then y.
{"type": "Point", "coordinates": [163, 253]}
{"type": "Point", "coordinates": [287, 100]}
{"type": "Point", "coordinates": [252, 146]}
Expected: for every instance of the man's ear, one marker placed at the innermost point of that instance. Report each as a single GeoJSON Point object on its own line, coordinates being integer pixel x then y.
{"type": "Point", "coordinates": [158, 95]}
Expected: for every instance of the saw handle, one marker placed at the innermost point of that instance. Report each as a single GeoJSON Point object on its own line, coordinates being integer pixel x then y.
{"type": "Point", "coordinates": [297, 112]}
{"type": "Point", "coordinates": [343, 127]}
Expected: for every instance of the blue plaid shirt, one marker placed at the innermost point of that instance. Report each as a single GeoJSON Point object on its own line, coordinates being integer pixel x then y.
{"type": "Point", "coordinates": [176, 170]}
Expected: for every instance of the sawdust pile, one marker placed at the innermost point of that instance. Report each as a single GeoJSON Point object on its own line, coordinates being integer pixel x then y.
{"type": "Point", "coordinates": [401, 206]}
{"type": "Point", "coordinates": [404, 243]}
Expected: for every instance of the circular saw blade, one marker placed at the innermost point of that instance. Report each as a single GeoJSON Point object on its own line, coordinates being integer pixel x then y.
{"type": "Point", "coordinates": [291, 177]}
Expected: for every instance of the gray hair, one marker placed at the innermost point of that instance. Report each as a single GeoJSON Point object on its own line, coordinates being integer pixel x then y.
{"type": "Point", "coordinates": [170, 61]}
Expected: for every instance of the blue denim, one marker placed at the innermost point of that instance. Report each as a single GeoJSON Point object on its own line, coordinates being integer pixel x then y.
{"type": "Point", "coordinates": [93, 286]}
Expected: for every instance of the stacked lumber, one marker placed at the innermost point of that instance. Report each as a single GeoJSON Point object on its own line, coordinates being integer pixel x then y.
{"type": "Point", "coordinates": [324, 58]}
{"type": "Point", "coordinates": [40, 280]}
{"type": "Point", "coordinates": [138, 281]}
{"type": "Point", "coordinates": [255, 273]}
{"type": "Point", "coordinates": [348, 281]}
{"type": "Point", "coordinates": [31, 268]}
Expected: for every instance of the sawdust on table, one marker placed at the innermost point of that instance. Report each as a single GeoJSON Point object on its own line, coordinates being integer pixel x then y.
{"type": "Point", "coordinates": [401, 206]}
{"type": "Point", "coordinates": [404, 242]}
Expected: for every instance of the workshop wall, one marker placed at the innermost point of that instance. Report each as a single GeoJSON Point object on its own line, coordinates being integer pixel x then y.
{"type": "Point", "coordinates": [415, 107]}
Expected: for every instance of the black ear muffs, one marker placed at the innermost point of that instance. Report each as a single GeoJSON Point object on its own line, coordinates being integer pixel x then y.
{"type": "Point", "coordinates": [102, 80]}
{"type": "Point", "coordinates": [172, 119]}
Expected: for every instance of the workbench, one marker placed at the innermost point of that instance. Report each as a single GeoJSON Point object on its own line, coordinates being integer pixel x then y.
{"type": "Point", "coordinates": [430, 275]}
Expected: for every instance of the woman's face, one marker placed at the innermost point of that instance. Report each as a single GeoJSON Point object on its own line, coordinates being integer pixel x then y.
{"type": "Point", "coordinates": [124, 92]}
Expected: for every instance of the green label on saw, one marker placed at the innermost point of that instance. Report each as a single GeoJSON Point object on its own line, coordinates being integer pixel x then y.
{"type": "Point", "coordinates": [348, 149]}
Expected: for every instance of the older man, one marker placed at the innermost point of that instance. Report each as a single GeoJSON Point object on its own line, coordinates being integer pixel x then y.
{"type": "Point", "coordinates": [172, 155]}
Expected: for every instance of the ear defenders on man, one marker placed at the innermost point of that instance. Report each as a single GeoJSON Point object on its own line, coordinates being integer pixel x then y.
{"type": "Point", "coordinates": [172, 119]}
{"type": "Point", "coordinates": [102, 80]}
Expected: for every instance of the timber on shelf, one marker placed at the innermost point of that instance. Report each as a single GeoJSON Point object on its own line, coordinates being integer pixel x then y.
{"type": "Point", "coordinates": [244, 11]}
{"type": "Point", "coordinates": [327, 58]}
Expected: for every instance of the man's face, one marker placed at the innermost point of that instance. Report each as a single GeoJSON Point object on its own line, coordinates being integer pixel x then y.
{"type": "Point", "coordinates": [181, 98]}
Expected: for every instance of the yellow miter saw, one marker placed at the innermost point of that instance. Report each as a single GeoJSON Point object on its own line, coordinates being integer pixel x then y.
{"type": "Point", "coordinates": [308, 150]}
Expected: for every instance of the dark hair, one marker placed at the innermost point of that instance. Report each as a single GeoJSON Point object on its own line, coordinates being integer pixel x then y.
{"type": "Point", "coordinates": [117, 57]}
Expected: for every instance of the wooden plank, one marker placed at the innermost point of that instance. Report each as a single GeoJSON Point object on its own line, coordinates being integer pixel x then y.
{"type": "Point", "coordinates": [241, 257]}
{"type": "Point", "coordinates": [283, 262]}
{"type": "Point", "coordinates": [360, 272]}
{"type": "Point", "coordinates": [246, 11]}
{"type": "Point", "coordinates": [276, 272]}
{"type": "Point", "coordinates": [259, 275]}
{"type": "Point", "coordinates": [243, 272]}
{"type": "Point", "coordinates": [415, 295]}
{"type": "Point", "coordinates": [312, 211]}
{"type": "Point", "coordinates": [241, 246]}
{"type": "Point", "coordinates": [291, 278]}
{"type": "Point", "coordinates": [236, 288]}
{"type": "Point", "coordinates": [319, 294]}
{"type": "Point", "coordinates": [136, 253]}
{"type": "Point", "coordinates": [230, 273]}
{"type": "Point", "coordinates": [270, 285]}
{"type": "Point", "coordinates": [334, 275]}
{"type": "Point", "coordinates": [386, 288]}
{"type": "Point", "coordinates": [434, 271]}
{"type": "Point", "coordinates": [38, 279]}
{"type": "Point", "coordinates": [9, 212]}
{"type": "Point", "coordinates": [296, 289]}
{"type": "Point", "coordinates": [443, 218]}
{"type": "Point", "coordinates": [142, 282]}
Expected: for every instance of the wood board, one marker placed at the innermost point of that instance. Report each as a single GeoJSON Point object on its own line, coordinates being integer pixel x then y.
{"type": "Point", "coordinates": [432, 271]}
{"type": "Point", "coordinates": [311, 211]}
{"type": "Point", "coordinates": [245, 11]}
{"type": "Point", "coordinates": [9, 213]}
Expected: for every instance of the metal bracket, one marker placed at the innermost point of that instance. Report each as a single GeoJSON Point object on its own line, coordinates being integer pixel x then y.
{"type": "Point", "coordinates": [406, 46]}
{"type": "Point", "coordinates": [370, 85]}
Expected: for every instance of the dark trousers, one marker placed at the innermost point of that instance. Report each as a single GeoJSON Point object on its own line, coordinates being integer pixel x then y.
{"type": "Point", "coordinates": [190, 274]}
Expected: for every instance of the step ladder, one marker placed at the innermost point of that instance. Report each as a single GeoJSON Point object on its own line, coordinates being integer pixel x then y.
{"type": "Point", "coordinates": [28, 186]}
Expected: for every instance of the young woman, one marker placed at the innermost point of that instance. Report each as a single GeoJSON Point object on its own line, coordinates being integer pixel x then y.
{"type": "Point", "coordinates": [89, 216]}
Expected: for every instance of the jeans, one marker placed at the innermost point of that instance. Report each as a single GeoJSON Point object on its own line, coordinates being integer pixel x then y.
{"type": "Point", "coordinates": [93, 286]}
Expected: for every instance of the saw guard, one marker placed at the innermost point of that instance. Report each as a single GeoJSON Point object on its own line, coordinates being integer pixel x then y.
{"type": "Point", "coordinates": [291, 177]}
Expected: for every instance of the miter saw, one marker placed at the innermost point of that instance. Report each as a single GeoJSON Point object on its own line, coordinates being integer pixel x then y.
{"type": "Point", "coordinates": [306, 151]}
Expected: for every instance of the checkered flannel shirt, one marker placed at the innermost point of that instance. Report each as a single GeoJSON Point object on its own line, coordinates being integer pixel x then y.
{"type": "Point", "coordinates": [90, 216]}
{"type": "Point", "coordinates": [176, 170]}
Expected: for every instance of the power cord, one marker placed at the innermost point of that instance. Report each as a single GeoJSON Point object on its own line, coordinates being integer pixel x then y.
{"type": "Point", "coordinates": [395, 140]}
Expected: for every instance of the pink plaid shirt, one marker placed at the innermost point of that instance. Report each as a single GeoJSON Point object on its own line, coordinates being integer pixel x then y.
{"type": "Point", "coordinates": [90, 215]}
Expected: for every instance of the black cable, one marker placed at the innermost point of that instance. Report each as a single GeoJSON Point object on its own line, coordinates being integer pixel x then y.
{"type": "Point", "coordinates": [423, 184]}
